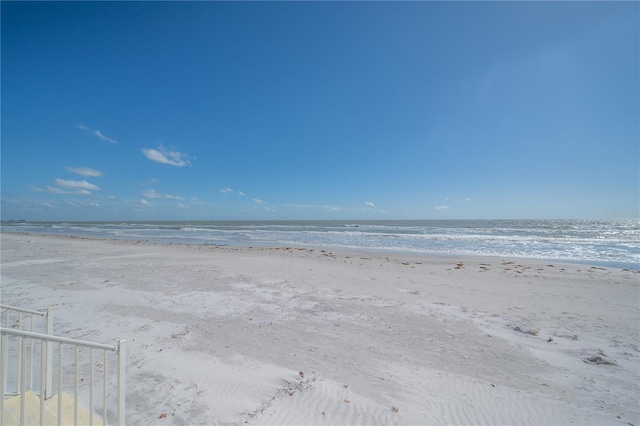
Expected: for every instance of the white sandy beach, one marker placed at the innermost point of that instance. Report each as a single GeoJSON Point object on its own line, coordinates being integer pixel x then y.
{"type": "Point", "coordinates": [220, 335]}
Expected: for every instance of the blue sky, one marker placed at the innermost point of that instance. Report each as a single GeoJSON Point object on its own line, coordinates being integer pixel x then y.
{"type": "Point", "coordinates": [319, 110]}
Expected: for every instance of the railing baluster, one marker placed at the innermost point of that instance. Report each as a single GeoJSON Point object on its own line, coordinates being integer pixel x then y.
{"type": "Point", "coordinates": [122, 362]}
{"type": "Point", "coordinates": [91, 385]}
{"type": "Point", "coordinates": [43, 350]}
{"type": "Point", "coordinates": [20, 364]}
{"type": "Point", "coordinates": [60, 384]}
{"type": "Point", "coordinates": [48, 389]}
{"type": "Point", "coordinates": [31, 344]}
{"type": "Point", "coordinates": [104, 389]}
{"type": "Point", "coordinates": [4, 352]}
{"type": "Point", "coordinates": [77, 381]}
{"type": "Point", "coordinates": [22, 379]}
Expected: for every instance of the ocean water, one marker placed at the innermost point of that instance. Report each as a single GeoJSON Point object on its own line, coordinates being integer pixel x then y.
{"type": "Point", "coordinates": [614, 243]}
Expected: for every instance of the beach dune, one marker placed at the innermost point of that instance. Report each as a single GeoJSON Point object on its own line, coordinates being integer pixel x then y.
{"type": "Point", "coordinates": [223, 335]}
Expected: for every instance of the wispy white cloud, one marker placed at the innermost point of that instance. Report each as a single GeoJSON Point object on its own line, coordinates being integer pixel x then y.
{"type": "Point", "coordinates": [97, 133]}
{"type": "Point", "coordinates": [258, 201]}
{"type": "Point", "coordinates": [369, 204]}
{"type": "Point", "coordinates": [29, 205]}
{"type": "Point", "coordinates": [324, 207]}
{"type": "Point", "coordinates": [85, 171]}
{"type": "Point", "coordinates": [441, 207]}
{"type": "Point", "coordinates": [54, 190]}
{"type": "Point", "coordinates": [81, 187]}
{"type": "Point", "coordinates": [164, 156]}
{"type": "Point", "coordinates": [152, 193]}
{"type": "Point", "coordinates": [182, 206]}
{"type": "Point", "coordinates": [145, 203]}
{"type": "Point", "coordinates": [172, 197]}
{"type": "Point", "coordinates": [50, 189]}
{"type": "Point", "coordinates": [229, 191]}
{"type": "Point", "coordinates": [77, 184]}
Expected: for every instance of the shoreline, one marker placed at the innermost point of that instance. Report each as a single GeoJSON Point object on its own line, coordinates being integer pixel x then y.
{"type": "Point", "coordinates": [380, 252]}
{"type": "Point", "coordinates": [228, 335]}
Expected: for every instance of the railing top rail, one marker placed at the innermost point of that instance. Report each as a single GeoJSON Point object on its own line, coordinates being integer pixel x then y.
{"type": "Point", "coordinates": [51, 338]}
{"type": "Point", "coordinates": [25, 311]}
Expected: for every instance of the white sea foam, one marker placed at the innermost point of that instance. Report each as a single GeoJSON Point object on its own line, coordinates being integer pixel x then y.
{"type": "Point", "coordinates": [596, 241]}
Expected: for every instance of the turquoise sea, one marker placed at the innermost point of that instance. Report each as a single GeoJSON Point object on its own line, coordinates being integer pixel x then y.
{"type": "Point", "coordinates": [613, 243]}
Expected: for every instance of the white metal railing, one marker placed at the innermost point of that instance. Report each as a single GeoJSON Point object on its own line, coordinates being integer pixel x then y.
{"type": "Point", "coordinates": [25, 319]}
{"type": "Point", "coordinates": [18, 377]}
